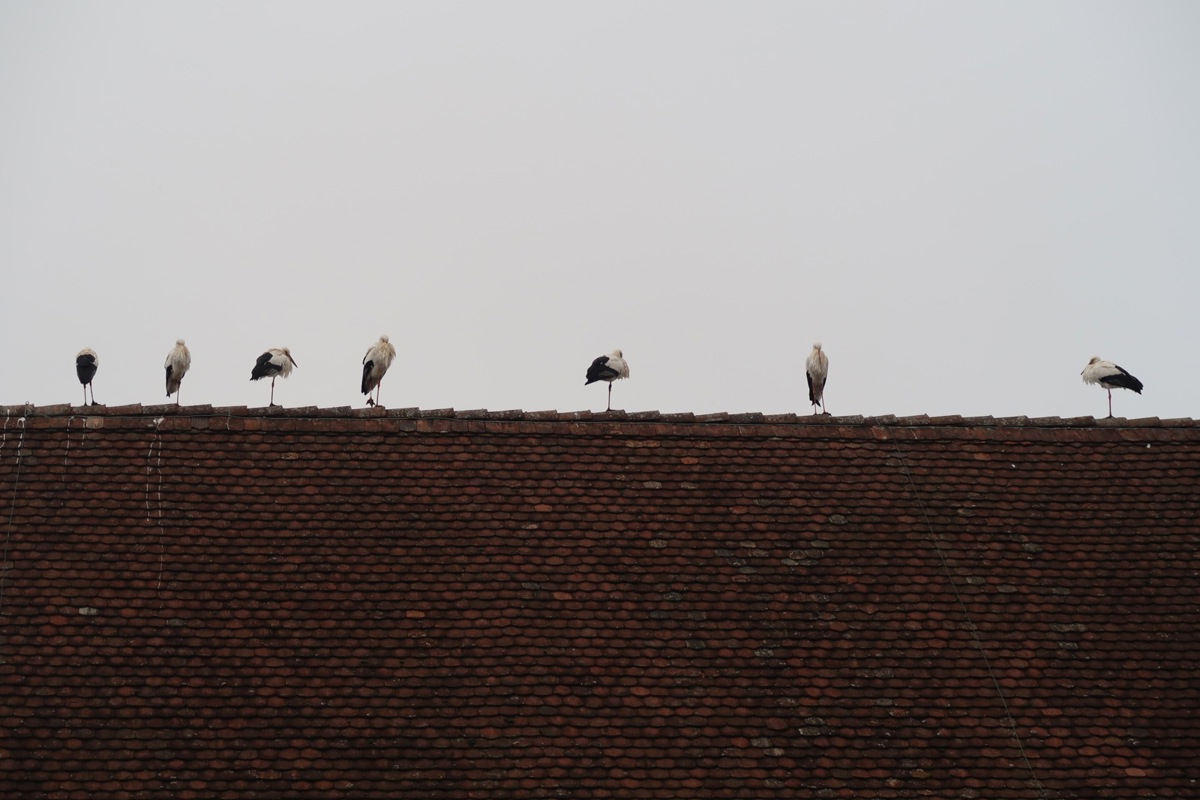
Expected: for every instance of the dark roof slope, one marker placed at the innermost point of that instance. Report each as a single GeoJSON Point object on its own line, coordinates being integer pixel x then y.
{"type": "Point", "coordinates": [380, 604]}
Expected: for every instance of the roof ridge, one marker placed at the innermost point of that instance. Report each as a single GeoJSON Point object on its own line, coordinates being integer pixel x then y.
{"type": "Point", "coordinates": [518, 415]}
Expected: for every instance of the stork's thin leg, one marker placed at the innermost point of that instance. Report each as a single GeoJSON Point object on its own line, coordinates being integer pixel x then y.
{"type": "Point", "coordinates": [609, 397]}
{"type": "Point", "coordinates": [1109, 403]}
{"type": "Point", "coordinates": [272, 392]}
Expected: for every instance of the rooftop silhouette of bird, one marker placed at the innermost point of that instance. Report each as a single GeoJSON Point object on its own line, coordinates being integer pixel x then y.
{"type": "Point", "coordinates": [816, 369]}
{"type": "Point", "coordinates": [86, 364]}
{"type": "Point", "coordinates": [275, 363]}
{"type": "Point", "coordinates": [178, 362]}
{"type": "Point", "coordinates": [609, 368]}
{"type": "Point", "coordinates": [375, 364]}
{"type": "Point", "coordinates": [1110, 376]}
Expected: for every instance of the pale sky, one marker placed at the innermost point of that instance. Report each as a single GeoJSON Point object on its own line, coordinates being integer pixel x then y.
{"type": "Point", "coordinates": [963, 201]}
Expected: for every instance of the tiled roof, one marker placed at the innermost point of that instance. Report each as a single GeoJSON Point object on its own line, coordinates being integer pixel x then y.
{"type": "Point", "coordinates": [239, 603]}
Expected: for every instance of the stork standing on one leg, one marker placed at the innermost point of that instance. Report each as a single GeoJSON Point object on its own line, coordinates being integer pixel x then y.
{"type": "Point", "coordinates": [86, 364]}
{"type": "Point", "coordinates": [816, 369]}
{"type": "Point", "coordinates": [178, 362]}
{"type": "Point", "coordinates": [375, 364]}
{"type": "Point", "coordinates": [275, 363]}
{"type": "Point", "coordinates": [1110, 376]}
{"type": "Point", "coordinates": [608, 368]}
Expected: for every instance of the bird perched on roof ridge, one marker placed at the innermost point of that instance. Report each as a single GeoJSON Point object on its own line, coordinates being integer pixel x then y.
{"type": "Point", "coordinates": [178, 362]}
{"type": "Point", "coordinates": [275, 363]}
{"type": "Point", "coordinates": [1110, 376]}
{"type": "Point", "coordinates": [609, 368]}
{"type": "Point", "coordinates": [816, 369]}
{"type": "Point", "coordinates": [375, 364]}
{"type": "Point", "coordinates": [86, 364]}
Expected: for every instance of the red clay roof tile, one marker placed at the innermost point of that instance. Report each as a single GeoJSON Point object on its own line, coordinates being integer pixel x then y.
{"type": "Point", "coordinates": [239, 602]}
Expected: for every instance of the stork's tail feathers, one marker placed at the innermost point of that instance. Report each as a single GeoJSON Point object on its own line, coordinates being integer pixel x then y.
{"type": "Point", "coordinates": [1135, 385]}
{"type": "Point", "coordinates": [1124, 381]}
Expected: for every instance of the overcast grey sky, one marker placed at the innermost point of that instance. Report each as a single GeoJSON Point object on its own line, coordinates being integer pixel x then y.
{"type": "Point", "coordinates": [963, 201]}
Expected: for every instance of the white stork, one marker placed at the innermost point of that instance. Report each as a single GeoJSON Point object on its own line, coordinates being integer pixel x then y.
{"type": "Point", "coordinates": [608, 368]}
{"type": "Point", "coordinates": [179, 360]}
{"type": "Point", "coordinates": [1110, 376]}
{"type": "Point", "coordinates": [86, 364]}
{"type": "Point", "coordinates": [816, 369]}
{"type": "Point", "coordinates": [275, 363]}
{"type": "Point", "coordinates": [375, 365]}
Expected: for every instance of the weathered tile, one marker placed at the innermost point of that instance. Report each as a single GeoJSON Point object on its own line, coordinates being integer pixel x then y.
{"type": "Point", "coordinates": [331, 603]}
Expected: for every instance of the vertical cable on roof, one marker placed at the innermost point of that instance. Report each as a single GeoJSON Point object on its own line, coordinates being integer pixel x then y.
{"type": "Point", "coordinates": [5, 567]}
{"type": "Point", "coordinates": [156, 446]}
{"type": "Point", "coordinates": [1012, 723]}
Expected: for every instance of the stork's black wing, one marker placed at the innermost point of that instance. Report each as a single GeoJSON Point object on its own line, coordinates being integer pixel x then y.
{"type": "Point", "coordinates": [85, 368]}
{"type": "Point", "coordinates": [1122, 380]}
{"type": "Point", "coordinates": [263, 368]}
{"type": "Point", "coordinates": [600, 371]}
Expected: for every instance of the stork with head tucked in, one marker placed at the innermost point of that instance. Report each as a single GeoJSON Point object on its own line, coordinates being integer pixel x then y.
{"type": "Point", "coordinates": [275, 363]}
{"type": "Point", "coordinates": [609, 368]}
{"type": "Point", "coordinates": [375, 364]}
{"type": "Point", "coordinates": [1110, 376]}
{"type": "Point", "coordinates": [86, 364]}
{"type": "Point", "coordinates": [816, 369]}
{"type": "Point", "coordinates": [178, 362]}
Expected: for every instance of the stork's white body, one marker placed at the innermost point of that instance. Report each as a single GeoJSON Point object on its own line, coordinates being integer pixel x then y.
{"type": "Point", "coordinates": [275, 363]}
{"type": "Point", "coordinates": [816, 369]}
{"type": "Point", "coordinates": [178, 362]}
{"type": "Point", "coordinates": [86, 364]}
{"type": "Point", "coordinates": [1110, 376]}
{"type": "Point", "coordinates": [611, 367]}
{"type": "Point", "coordinates": [375, 365]}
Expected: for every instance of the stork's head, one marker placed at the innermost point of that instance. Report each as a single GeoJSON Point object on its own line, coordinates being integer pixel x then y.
{"type": "Point", "coordinates": [817, 346]}
{"type": "Point", "coordinates": [617, 353]}
{"type": "Point", "coordinates": [383, 338]}
{"type": "Point", "coordinates": [179, 342]}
